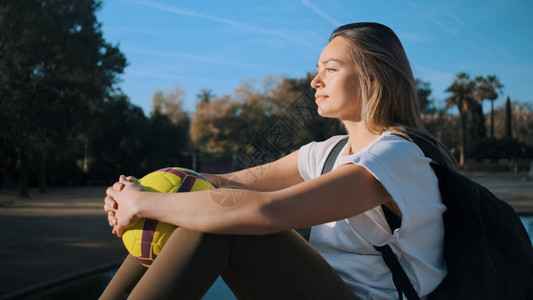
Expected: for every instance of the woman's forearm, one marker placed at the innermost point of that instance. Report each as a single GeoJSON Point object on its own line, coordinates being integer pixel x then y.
{"type": "Point", "coordinates": [273, 176]}
{"type": "Point", "coordinates": [223, 210]}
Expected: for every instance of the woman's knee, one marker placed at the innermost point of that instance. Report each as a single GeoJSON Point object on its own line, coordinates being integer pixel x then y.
{"type": "Point", "coordinates": [186, 240]}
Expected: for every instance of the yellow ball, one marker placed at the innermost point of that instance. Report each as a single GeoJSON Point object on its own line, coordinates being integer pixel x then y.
{"type": "Point", "coordinates": [145, 239]}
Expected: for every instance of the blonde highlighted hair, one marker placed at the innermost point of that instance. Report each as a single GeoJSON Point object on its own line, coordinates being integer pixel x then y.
{"type": "Point", "coordinates": [388, 91]}
{"type": "Point", "coordinates": [389, 100]}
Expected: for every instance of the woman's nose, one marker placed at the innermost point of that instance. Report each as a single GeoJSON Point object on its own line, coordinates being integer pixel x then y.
{"type": "Point", "coordinates": [317, 82]}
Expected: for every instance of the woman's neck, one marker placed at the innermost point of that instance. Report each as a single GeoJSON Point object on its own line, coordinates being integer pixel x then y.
{"type": "Point", "coordinates": [359, 135]}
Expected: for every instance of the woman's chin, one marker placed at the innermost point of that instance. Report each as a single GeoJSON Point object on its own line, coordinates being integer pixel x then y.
{"type": "Point", "coordinates": [323, 113]}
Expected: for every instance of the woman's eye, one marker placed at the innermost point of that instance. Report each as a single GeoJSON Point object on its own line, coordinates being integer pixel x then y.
{"type": "Point", "coordinates": [330, 69]}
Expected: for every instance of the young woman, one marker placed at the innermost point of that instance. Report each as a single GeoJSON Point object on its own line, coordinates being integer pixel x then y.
{"type": "Point", "coordinates": [364, 79]}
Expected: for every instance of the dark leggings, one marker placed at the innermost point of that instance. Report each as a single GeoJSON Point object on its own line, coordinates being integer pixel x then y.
{"type": "Point", "coordinates": [274, 266]}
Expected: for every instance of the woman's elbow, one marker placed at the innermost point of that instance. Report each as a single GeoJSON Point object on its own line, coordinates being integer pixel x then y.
{"type": "Point", "coordinates": [270, 218]}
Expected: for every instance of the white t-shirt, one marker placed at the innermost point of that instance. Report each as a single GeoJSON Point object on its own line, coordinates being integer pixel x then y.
{"type": "Point", "coordinates": [347, 244]}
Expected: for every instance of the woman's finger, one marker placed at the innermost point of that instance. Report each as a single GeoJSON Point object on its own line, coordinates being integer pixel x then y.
{"type": "Point", "coordinates": [108, 208]}
{"type": "Point", "coordinates": [111, 219]}
{"type": "Point", "coordinates": [109, 205]}
{"type": "Point", "coordinates": [123, 179]}
{"type": "Point", "coordinates": [132, 179]}
{"type": "Point", "coordinates": [118, 186]}
{"type": "Point", "coordinates": [118, 230]}
{"type": "Point", "coordinates": [110, 202]}
{"type": "Point", "coordinates": [111, 192]}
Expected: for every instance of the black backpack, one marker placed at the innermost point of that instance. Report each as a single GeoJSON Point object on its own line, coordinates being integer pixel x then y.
{"type": "Point", "coordinates": [487, 250]}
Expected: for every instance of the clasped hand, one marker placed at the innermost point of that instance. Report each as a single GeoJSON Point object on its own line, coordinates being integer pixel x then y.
{"type": "Point", "coordinates": [120, 203]}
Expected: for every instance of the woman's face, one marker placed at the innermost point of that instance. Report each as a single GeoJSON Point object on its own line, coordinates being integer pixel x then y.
{"type": "Point", "coordinates": [336, 83]}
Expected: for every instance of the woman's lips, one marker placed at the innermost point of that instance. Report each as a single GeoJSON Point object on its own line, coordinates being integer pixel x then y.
{"type": "Point", "coordinates": [320, 97]}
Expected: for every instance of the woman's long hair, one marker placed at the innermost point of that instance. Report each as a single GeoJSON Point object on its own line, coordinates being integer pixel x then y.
{"type": "Point", "coordinates": [388, 92]}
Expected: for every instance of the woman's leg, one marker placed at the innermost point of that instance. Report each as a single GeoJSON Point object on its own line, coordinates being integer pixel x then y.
{"type": "Point", "coordinates": [274, 266]}
{"type": "Point", "coordinates": [127, 276]}
{"type": "Point", "coordinates": [281, 266]}
{"type": "Point", "coordinates": [187, 266]}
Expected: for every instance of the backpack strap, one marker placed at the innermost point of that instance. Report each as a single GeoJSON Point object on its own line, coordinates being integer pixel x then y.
{"type": "Point", "coordinates": [332, 156]}
{"type": "Point", "coordinates": [328, 166]}
{"type": "Point", "coordinates": [401, 281]}
{"type": "Point", "coordinates": [399, 277]}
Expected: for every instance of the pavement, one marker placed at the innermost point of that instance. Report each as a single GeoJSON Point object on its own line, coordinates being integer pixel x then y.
{"type": "Point", "coordinates": [65, 231]}
{"type": "Point", "coordinates": [514, 188]}
{"type": "Point", "coordinates": [53, 235]}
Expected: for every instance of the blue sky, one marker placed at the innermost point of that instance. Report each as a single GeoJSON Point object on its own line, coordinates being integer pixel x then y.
{"type": "Point", "coordinates": [218, 44]}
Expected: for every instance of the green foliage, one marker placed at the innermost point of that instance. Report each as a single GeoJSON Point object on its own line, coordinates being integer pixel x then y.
{"type": "Point", "coordinates": [467, 95]}
{"type": "Point", "coordinates": [476, 123]}
{"type": "Point", "coordinates": [126, 142]}
{"type": "Point", "coordinates": [117, 144]}
{"type": "Point", "coordinates": [60, 111]}
{"type": "Point", "coordinates": [55, 70]}
{"type": "Point", "coordinates": [461, 91]}
{"type": "Point", "coordinates": [488, 88]}
{"type": "Point", "coordinates": [205, 95]}
{"type": "Point", "coordinates": [166, 142]}
{"type": "Point", "coordinates": [508, 123]}
{"type": "Point", "coordinates": [274, 122]}
{"type": "Point", "coordinates": [423, 89]}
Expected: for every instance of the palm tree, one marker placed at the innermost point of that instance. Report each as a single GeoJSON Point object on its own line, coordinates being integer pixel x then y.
{"type": "Point", "coordinates": [205, 95]}
{"type": "Point", "coordinates": [488, 88]}
{"type": "Point", "coordinates": [494, 87]}
{"type": "Point", "coordinates": [462, 95]}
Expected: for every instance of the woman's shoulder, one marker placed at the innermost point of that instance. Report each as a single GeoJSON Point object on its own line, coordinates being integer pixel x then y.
{"type": "Point", "coordinates": [312, 156]}
{"type": "Point", "coordinates": [324, 146]}
{"type": "Point", "coordinates": [394, 146]}
{"type": "Point", "coordinates": [332, 141]}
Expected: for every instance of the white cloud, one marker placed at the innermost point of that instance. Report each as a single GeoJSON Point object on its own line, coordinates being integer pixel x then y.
{"type": "Point", "coordinates": [321, 13]}
{"type": "Point", "coordinates": [137, 30]}
{"type": "Point", "coordinates": [201, 58]}
{"type": "Point", "coordinates": [179, 11]}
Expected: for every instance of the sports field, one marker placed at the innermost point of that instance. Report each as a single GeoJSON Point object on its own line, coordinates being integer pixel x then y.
{"type": "Point", "coordinates": [65, 231]}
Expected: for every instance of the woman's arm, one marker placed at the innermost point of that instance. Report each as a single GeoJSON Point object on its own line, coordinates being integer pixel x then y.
{"type": "Point", "coordinates": [348, 190]}
{"type": "Point", "coordinates": [276, 175]}
{"type": "Point", "coordinates": [279, 174]}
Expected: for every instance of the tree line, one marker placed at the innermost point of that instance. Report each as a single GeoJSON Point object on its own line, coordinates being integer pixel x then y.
{"type": "Point", "coordinates": [63, 121]}
{"type": "Point", "coordinates": [230, 123]}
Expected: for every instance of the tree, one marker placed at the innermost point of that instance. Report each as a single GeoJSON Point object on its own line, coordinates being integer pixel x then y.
{"type": "Point", "coordinates": [205, 95]}
{"type": "Point", "coordinates": [215, 126]}
{"type": "Point", "coordinates": [461, 91]}
{"type": "Point", "coordinates": [55, 70]}
{"type": "Point", "coordinates": [508, 119]}
{"type": "Point", "coordinates": [255, 112]}
{"type": "Point", "coordinates": [488, 88]}
{"type": "Point", "coordinates": [294, 99]}
{"type": "Point", "coordinates": [166, 142]}
{"type": "Point", "coordinates": [423, 90]}
{"type": "Point", "coordinates": [444, 127]}
{"type": "Point", "coordinates": [119, 143]}
{"type": "Point", "coordinates": [523, 122]}
{"type": "Point", "coordinates": [171, 105]}
{"type": "Point", "coordinates": [476, 130]}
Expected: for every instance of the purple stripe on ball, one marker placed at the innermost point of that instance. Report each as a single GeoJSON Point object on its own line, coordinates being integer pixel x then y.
{"type": "Point", "coordinates": [192, 173]}
{"type": "Point", "coordinates": [187, 184]}
{"type": "Point", "coordinates": [147, 262]}
{"type": "Point", "coordinates": [176, 172]}
{"type": "Point", "coordinates": [148, 236]}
